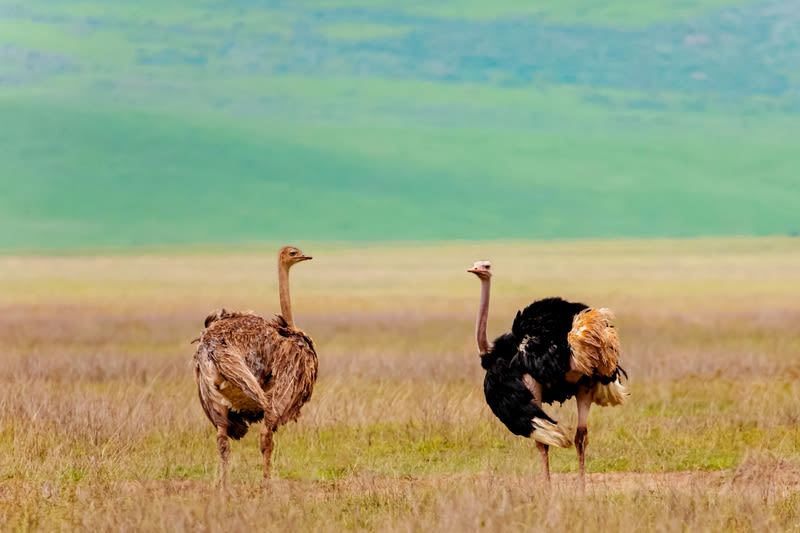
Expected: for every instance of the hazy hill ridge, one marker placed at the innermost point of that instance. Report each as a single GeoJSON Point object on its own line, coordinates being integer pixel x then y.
{"type": "Point", "coordinates": [182, 121]}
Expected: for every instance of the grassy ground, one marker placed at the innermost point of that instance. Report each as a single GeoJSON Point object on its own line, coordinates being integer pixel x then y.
{"type": "Point", "coordinates": [100, 426]}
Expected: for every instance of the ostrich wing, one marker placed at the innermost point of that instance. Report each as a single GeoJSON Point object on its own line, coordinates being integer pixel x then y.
{"type": "Point", "coordinates": [293, 375]}
{"type": "Point", "coordinates": [594, 342]}
{"type": "Point", "coordinates": [239, 386]}
{"type": "Point", "coordinates": [512, 401]}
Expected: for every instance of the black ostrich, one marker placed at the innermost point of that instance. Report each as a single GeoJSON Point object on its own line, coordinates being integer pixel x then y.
{"type": "Point", "coordinates": [555, 350]}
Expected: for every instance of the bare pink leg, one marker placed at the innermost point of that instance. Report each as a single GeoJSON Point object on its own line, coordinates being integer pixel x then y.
{"type": "Point", "coordinates": [536, 390]}
{"type": "Point", "coordinates": [543, 449]}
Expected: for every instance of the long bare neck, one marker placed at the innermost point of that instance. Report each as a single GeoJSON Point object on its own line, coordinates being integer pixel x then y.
{"type": "Point", "coordinates": [283, 290]}
{"type": "Point", "coordinates": [483, 317]}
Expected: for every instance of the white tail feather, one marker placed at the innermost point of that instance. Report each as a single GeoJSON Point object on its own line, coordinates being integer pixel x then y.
{"type": "Point", "coordinates": [614, 393]}
{"type": "Point", "coordinates": [552, 434]}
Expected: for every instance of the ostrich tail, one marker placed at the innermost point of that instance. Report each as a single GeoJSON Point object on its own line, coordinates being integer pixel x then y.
{"type": "Point", "coordinates": [615, 393]}
{"type": "Point", "coordinates": [594, 342]}
{"type": "Point", "coordinates": [213, 316]}
{"type": "Point", "coordinates": [222, 314]}
{"type": "Point", "coordinates": [550, 433]}
{"type": "Point", "coordinates": [237, 425]}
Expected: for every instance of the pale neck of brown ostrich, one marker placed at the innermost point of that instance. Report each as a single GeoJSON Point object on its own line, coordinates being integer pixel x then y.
{"type": "Point", "coordinates": [483, 317]}
{"type": "Point", "coordinates": [283, 290]}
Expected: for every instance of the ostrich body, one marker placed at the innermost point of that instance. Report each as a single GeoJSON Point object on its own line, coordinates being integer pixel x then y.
{"type": "Point", "coordinates": [250, 368]}
{"type": "Point", "coordinates": [556, 350]}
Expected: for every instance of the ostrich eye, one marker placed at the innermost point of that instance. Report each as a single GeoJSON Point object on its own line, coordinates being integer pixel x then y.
{"type": "Point", "coordinates": [292, 253]}
{"type": "Point", "coordinates": [488, 267]}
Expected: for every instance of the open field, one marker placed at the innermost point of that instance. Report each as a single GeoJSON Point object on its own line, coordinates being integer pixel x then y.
{"type": "Point", "coordinates": [100, 427]}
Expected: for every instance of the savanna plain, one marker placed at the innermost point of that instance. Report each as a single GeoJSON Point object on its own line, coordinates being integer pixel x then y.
{"type": "Point", "coordinates": [100, 426]}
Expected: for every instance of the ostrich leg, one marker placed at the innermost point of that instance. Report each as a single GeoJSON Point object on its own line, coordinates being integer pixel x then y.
{"type": "Point", "coordinates": [536, 390]}
{"type": "Point", "coordinates": [543, 451]}
{"type": "Point", "coordinates": [267, 443]}
{"type": "Point", "coordinates": [584, 399]}
{"type": "Point", "coordinates": [224, 447]}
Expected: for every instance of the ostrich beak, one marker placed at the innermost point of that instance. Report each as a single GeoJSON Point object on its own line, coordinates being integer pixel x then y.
{"type": "Point", "coordinates": [473, 270]}
{"type": "Point", "coordinates": [304, 258]}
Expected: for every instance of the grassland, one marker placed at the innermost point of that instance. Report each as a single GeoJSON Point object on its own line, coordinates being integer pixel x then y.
{"type": "Point", "coordinates": [100, 427]}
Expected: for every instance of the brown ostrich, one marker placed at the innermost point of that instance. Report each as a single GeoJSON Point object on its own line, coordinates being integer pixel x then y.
{"type": "Point", "coordinates": [555, 350]}
{"type": "Point", "coordinates": [250, 368]}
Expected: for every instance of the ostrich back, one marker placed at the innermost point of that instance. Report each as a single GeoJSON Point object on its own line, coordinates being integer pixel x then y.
{"type": "Point", "coordinates": [248, 368]}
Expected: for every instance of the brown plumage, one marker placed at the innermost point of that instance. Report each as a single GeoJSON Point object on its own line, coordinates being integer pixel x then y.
{"type": "Point", "coordinates": [594, 342]}
{"type": "Point", "coordinates": [250, 368]}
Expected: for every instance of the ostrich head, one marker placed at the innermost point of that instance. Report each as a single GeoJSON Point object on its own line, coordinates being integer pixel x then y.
{"type": "Point", "coordinates": [482, 269]}
{"type": "Point", "coordinates": [289, 255]}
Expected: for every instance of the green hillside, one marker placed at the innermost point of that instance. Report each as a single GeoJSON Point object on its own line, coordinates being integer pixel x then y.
{"type": "Point", "coordinates": [192, 122]}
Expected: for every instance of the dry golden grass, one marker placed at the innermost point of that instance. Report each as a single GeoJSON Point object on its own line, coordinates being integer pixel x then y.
{"type": "Point", "coordinates": [100, 426]}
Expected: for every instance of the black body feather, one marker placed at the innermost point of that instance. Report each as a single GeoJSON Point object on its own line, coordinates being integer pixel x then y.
{"type": "Point", "coordinates": [537, 345]}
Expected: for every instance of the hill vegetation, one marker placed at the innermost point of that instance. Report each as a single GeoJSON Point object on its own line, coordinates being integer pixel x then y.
{"type": "Point", "coordinates": [194, 122]}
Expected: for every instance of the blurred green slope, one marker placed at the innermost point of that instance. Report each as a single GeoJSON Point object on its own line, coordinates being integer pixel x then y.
{"type": "Point", "coordinates": [185, 122]}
